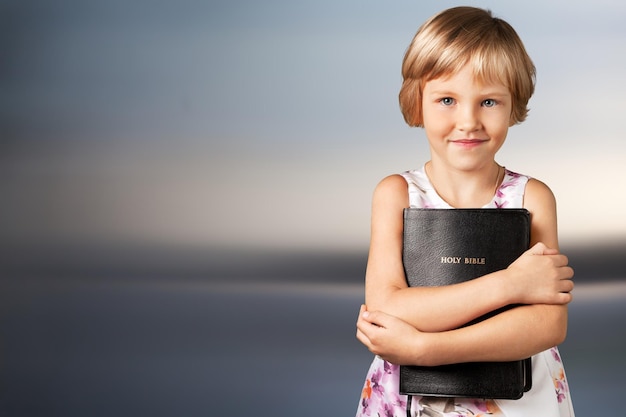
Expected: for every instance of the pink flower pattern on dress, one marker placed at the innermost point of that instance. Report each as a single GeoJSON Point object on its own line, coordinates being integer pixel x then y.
{"type": "Point", "coordinates": [558, 377]}
{"type": "Point", "coordinates": [380, 394]}
{"type": "Point", "coordinates": [380, 398]}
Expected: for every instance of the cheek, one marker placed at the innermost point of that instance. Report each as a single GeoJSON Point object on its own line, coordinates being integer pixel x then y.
{"type": "Point", "coordinates": [433, 117]}
{"type": "Point", "coordinates": [500, 121]}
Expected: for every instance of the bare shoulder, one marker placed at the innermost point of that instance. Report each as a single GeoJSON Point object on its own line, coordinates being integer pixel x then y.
{"type": "Point", "coordinates": [541, 203]}
{"type": "Point", "coordinates": [391, 188]}
{"type": "Point", "coordinates": [390, 198]}
{"type": "Point", "coordinates": [538, 196]}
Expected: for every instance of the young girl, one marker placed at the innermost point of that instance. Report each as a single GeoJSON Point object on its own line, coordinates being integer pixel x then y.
{"type": "Point", "coordinates": [467, 78]}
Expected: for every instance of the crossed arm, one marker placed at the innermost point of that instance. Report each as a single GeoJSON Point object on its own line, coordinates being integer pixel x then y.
{"type": "Point", "coordinates": [421, 326]}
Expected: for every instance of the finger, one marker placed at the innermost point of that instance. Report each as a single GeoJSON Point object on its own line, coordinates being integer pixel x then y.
{"type": "Point", "coordinates": [364, 325]}
{"type": "Point", "coordinates": [560, 260]}
{"type": "Point", "coordinates": [362, 310]}
{"type": "Point", "coordinates": [362, 338]}
{"type": "Point", "coordinates": [566, 285]}
{"type": "Point", "coordinates": [366, 332]}
{"type": "Point", "coordinates": [377, 318]}
{"type": "Point", "coordinates": [565, 259]}
{"type": "Point", "coordinates": [564, 298]}
{"type": "Point", "coordinates": [568, 272]}
{"type": "Point", "coordinates": [537, 249]}
{"type": "Point", "coordinates": [554, 262]}
{"type": "Point", "coordinates": [541, 249]}
{"type": "Point", "coordinates": [360, 321]}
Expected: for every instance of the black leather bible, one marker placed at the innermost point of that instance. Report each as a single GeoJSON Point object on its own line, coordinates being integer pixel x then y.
{"type": "Point", "coordinates": [448, 246]}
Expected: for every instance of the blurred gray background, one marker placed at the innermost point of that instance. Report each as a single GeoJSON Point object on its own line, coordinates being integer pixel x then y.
{"type": "Point", "coordinates": [186, 186]}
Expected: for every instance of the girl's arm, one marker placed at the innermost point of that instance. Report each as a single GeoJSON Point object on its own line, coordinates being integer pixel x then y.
{"type": "Point", "coordinates": [515, 334]}
{"type": "Point", "coordinates": [435, 309]}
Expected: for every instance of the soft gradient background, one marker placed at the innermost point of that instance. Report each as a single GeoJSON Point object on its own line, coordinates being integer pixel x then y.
{"type": "Point", "coordinates": [159, 157]}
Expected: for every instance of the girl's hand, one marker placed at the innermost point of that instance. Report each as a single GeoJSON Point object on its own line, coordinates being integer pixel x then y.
{"type": "Point", "coordinates": [391, 338]}
{"type": "Point", "coordinates": [540, 276]}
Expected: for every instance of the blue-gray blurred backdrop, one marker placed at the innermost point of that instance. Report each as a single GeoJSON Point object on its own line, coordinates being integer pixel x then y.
{"type": "Point", "coordinates": [186, 186]}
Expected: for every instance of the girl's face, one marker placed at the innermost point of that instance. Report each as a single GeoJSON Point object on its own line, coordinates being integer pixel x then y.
{"type": "Point", "coordinates": [466, 122]}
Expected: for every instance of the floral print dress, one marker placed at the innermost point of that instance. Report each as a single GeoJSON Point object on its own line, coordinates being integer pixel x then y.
{"type": "Point", "coordinates": [549, 395]}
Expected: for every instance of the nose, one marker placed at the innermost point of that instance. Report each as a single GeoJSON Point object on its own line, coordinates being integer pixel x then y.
{"type": "Point", "coordinates": [468, 119]}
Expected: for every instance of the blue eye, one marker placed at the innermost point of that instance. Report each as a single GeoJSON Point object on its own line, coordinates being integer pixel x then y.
{"type": "Point", "coordinates": [447, 101]}
{"type": "Point", "coordinates": [489, 102]}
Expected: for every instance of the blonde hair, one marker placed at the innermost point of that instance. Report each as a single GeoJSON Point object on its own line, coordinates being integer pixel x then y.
{"type": "Point", "coordinates": [466, 35]}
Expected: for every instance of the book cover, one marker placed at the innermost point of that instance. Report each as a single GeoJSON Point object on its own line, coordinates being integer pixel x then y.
{"type": "Point", "coordinates": [448, 246]}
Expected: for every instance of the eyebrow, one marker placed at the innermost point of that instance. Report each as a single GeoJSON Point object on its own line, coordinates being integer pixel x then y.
{"type": "Point", "coordinates": [486, 93]}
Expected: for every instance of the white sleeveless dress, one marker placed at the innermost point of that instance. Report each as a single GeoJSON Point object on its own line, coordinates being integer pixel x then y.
{"type": "Point", "coordinates": [549, 395]}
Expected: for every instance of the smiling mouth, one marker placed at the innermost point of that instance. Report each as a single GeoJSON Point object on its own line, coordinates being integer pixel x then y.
{"type": "Point", "coordinates": [469, 141]}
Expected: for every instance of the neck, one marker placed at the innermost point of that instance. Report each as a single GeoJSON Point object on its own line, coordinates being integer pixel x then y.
{"type": "Point", "coordinates": [465, 188]}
